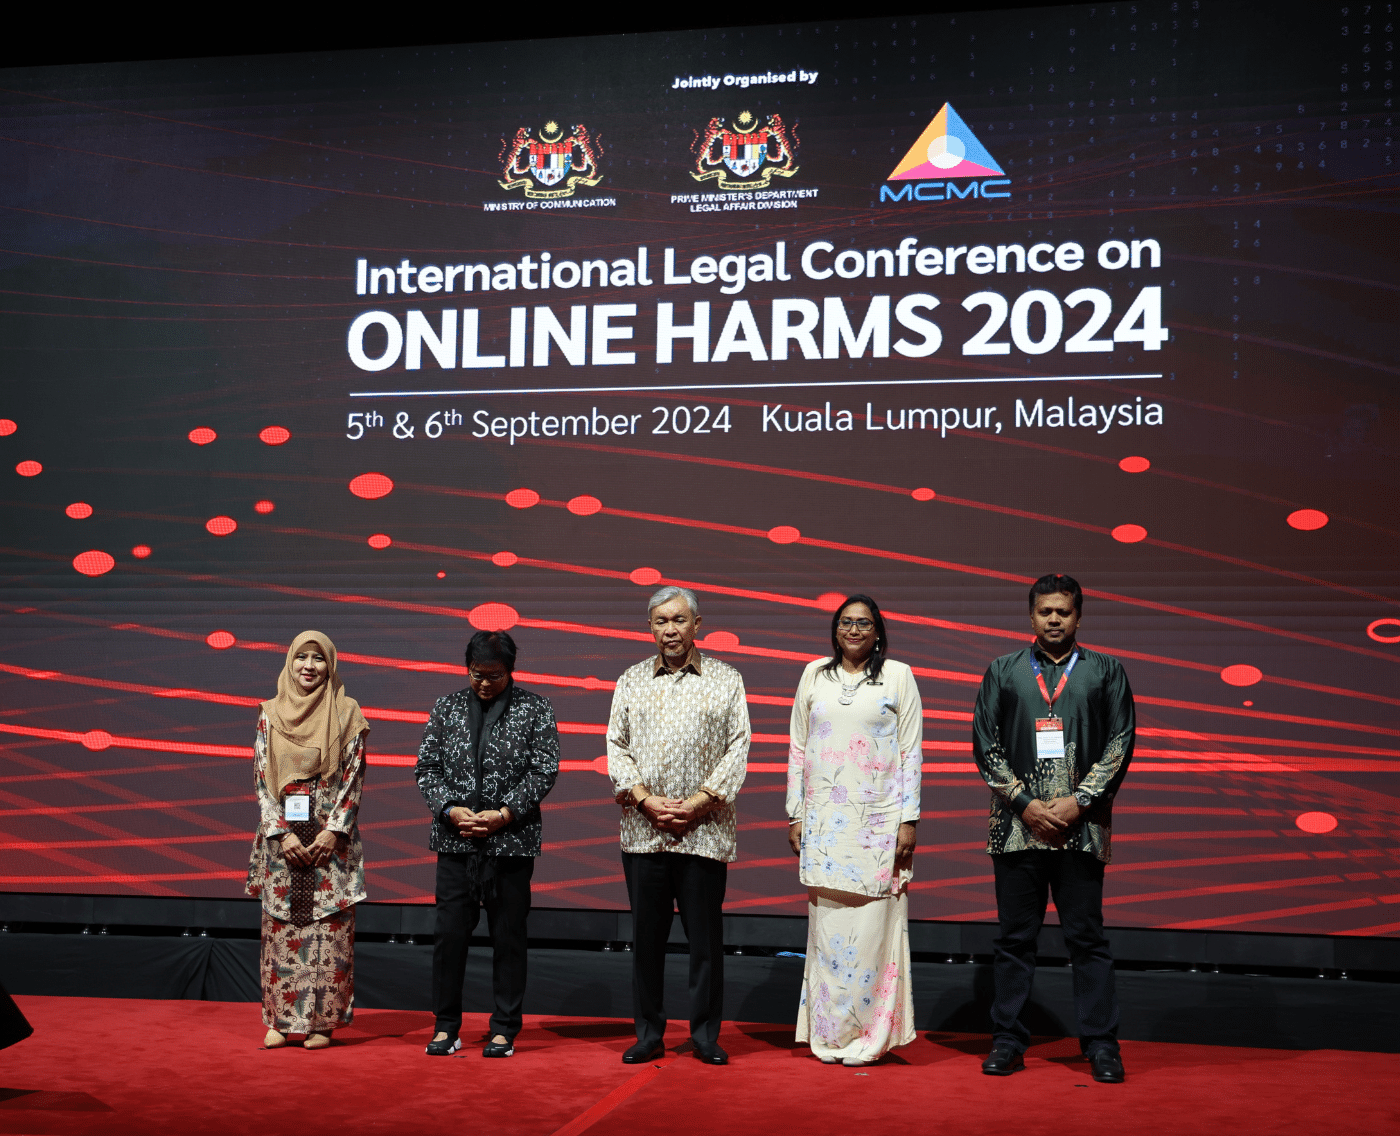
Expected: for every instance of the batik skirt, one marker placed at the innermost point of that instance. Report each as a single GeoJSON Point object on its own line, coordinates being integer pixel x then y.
{"type": "Point", "coordinates": [308, 973]}
{"type": "Point", "coordinates": [857, 1000]}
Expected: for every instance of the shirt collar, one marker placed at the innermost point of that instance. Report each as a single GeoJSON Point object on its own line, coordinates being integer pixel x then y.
{"type": "Point", "coordinates": [693, 663]}
{"type": "Point", "coordinates": [1046, 660]}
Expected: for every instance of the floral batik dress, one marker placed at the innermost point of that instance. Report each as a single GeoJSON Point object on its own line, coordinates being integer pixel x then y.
{"type": "Point", "coordinates": [307, 961]}
{"type": "Point", "coordinates": [854, 776]}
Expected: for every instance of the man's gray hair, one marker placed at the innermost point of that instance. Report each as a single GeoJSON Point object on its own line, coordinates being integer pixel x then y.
{"type": "Point", "coordinates": [670, 592]}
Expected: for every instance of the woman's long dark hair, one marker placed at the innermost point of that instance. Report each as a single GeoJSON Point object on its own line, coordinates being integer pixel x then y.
{"type": "Point", "coordinates": [876, 658]}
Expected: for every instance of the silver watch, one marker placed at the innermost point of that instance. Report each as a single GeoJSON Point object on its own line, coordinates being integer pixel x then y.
{"type": "Point", "coordinates": [1082, 799]}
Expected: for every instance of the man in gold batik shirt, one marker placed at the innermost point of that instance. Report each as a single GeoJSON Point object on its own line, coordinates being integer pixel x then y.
{"type": "Point", "coordinates": [678, 743]}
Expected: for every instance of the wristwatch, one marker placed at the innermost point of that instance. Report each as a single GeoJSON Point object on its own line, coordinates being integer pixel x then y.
{"type": "Point", "coordinates": [1082, 799]}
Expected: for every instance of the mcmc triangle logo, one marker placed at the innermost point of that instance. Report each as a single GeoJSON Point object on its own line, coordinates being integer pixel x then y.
{"type": "Point", "coordinates": [946, 149]}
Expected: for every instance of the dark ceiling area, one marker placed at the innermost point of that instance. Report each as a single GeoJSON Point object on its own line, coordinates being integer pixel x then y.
{"type": "Point", "coordinates": [114, 35]}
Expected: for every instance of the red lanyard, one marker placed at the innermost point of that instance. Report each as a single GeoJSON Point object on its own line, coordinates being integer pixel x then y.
{"type": "Point", "coordinates": [1060, 686]}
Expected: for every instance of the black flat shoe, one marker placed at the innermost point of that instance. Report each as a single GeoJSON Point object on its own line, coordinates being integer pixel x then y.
{"type": "Point", "coordinates": [444, 1048]}
{"type": "Point", "coordinates": [1003, 1061]}
{"type": "Point", "coordinates": [1107, 1066]}
{"type": "Point", "coordinates": [643, 1052]}
{"type": "Point", "coordinates": [498, 1049]}
{"type": "Point", "coordinates": [712, 1055]}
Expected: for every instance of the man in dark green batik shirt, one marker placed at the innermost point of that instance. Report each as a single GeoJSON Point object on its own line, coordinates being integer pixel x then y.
{"type": "Point", "coordinates": [1053, 735]}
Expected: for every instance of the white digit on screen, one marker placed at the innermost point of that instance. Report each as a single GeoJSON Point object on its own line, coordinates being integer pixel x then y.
{"type": "Point", "coordinates": [433, 426]}
{"type": "Point", "coordinates": [980, 343]}
{"type": "Point", "coordinates": [1083, 339]}
{"type": "Point", "coordinates": [1020, 321]}
{"type": "Point", "coordinates": [356, 425]}
{"type": "Point", "coordinates": [1147, 308]}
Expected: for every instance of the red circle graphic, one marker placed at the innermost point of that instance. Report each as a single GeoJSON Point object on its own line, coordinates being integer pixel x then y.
{"type": "Point", "coordinates": [380, 540]}
{"type": "Point", "coordinates": [1241, 674]}
{"type": "Point", "coordinates": [721, 640]}
{"type": "Point", "coordinates": [1307, 519]}
{"type": "Point", "coordinates": [1316, 822]}
{"type": "Point", "coordinates": [522, 498]}
{"type": "Point", "coordinates": [220, 640]}
{"type": "Point", "coordinates": [1373, 629]}
{"type": "Point", "coordinates": [371, 486]}
{"type": "Point", "coordinates": [29, 469]}
{"type": "Point", "coordinates": [79, 510]}
{"type": "Point", "coordinates": [584, 506]}
{"type": "Point", "coordinates": [274, 435]}
{"type": "Point", "coordinates": [1129, 534]}
{"type": "Point", "coordinates": [1135, 464]}
{"type": "Point", "coordinates": [7, 426]}
{"type": "Point", "coordinates": [97, 739]}
{"type": "Point", "coordinates": [784, 534]}
{"type": "Point", "coordinates": [830, 601]}
{"type": "Point", "coordinates": [493, 617]}
{"type": "Point", "coordinates": [264, 507]}
{"type": "Point", "coordinates": [504, 559]}
{"type": "Point", "coordinates": [202, 435]}
{"type": "Point", "coordinates": [94, 562]}
{"type": "Point", "coordinates": [221, 526]}
{"type": "Point", "coordinates": [923, 494]}
{"type": "Point", "coordinates": [141, 551]}
{"type": "Point", "coordinates": [644, 577]}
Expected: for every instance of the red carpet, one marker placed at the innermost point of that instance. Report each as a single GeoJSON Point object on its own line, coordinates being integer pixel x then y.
{"type": "Point", "coordinates": [105, 1067]}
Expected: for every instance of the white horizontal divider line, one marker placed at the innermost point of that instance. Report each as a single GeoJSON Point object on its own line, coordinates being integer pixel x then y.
{"type": "Point", "coordinates": [746, 386]}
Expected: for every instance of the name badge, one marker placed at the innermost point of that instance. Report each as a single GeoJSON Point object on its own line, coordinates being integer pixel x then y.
{"type": "Point", "coordinates": [1050, 739]}
{"type": "Point", "coordinates": [297, 807]}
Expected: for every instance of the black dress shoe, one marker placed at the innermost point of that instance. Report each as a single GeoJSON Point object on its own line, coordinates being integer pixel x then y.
{"type": "Point", "coordinates": [444, 1048]}
{"type": "Point", "coordinates": [643, 1052]}
{"type": "Point", "coordinates": [711, 1055]}
{"type": "Point", "coordinates": [498, 1049]}
{"type": "Point", "coordinates": [1107, 1066]}
{"type": "Point", "coordinates": [1003, 1061]}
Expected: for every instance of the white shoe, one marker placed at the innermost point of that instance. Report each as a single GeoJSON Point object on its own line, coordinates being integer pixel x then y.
{"type": "Point", "coordinates": [855, 1062]}
{"type": "Point", "coordinates": [830, 1059]}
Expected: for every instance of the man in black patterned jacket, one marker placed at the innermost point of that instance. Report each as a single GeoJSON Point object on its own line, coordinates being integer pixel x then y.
{"type": "Point", "coordinates": [489, 756]}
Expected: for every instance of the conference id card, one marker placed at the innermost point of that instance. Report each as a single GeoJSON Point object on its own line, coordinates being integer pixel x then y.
{"type": "Point", "coordinates": [1049, 739]}
{"type": "Point", "coordinates": [297, 807]}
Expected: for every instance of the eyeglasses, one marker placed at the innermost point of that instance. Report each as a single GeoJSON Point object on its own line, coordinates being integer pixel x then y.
{"type": "Point", "coordinates": [477, 676]}
{"type": "Point", "coordinates": [859, 624]}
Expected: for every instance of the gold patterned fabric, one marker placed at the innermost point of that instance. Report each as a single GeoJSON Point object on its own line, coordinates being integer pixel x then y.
{"type": "Point", "coordinates": [1099, 731]}
{"type": "Point", "coordinates": [678, 732]}
{"type": "Point", "coordinates": [335, 804]}
{"type": "Point", "coordinates": [308, 973]}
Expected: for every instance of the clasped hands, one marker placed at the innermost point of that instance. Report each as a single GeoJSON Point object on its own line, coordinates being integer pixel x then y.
{"type": "Point", "coordinates": [318, 852]}
{"type": "Point", "coordinates": [672, 814]}
{"type": "Point", "coordinates": [1051, 823]}
{"type": "Point", "coordinates": [484, 823]}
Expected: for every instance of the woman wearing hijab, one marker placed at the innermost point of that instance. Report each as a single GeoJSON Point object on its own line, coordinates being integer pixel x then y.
{"type": "Point", "coordinates": [854, 775]}
{"type": "Point", "coordinates": [307, 865]}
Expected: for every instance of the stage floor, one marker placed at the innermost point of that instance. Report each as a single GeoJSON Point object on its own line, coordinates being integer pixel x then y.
{"type": "Point", "coordinates": [110, 1066]}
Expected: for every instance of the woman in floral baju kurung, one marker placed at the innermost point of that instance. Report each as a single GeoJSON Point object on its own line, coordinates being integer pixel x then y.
{"type": "Point", "coordinates": [854, 777]}
{"type": "Point", "coordinates": [308, 762]}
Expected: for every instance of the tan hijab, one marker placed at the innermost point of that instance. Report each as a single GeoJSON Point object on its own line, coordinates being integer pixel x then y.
{"type": "Point", "coordinates": [309, 731]}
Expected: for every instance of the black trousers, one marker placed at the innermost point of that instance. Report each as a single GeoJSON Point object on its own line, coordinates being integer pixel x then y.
{"type": "Point", "coordinates": [1076, 879]}
{"type": "Point", "coordinates": [507, 905]}
{"type": "Point", "coordinates": [695, 884]}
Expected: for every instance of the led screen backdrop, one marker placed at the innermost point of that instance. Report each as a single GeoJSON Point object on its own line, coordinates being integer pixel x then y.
{"type": "Point", "coordinates": [399, 344]}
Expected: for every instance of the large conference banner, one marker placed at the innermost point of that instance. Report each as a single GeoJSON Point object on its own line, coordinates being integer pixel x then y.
{"type": "Point", "coordinates": [403, 344]}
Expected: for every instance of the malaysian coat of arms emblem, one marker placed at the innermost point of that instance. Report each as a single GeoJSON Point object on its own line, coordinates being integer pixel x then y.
{"type": "Point", "coordinates": [746, 154]}
{"type": "Point", "coordinates": [550, 163]}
